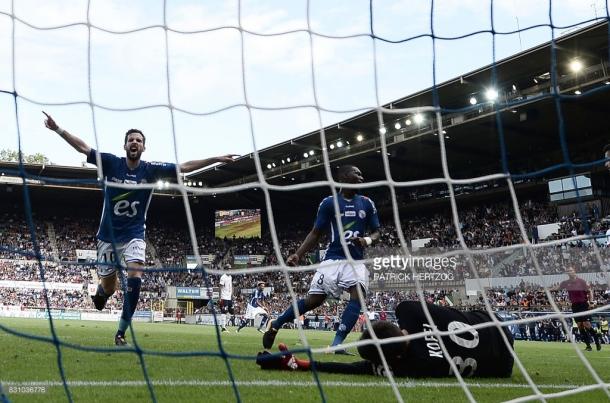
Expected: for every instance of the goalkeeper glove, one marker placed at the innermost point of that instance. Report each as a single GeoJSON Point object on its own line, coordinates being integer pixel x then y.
{"type": "Point", "coordinates": [286, 361]}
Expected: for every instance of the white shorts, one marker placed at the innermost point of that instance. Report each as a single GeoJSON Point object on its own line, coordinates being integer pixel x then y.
{"type": "Point", "coordinates": [251, 312]}
{"type": "Point", "coordinates": [132, 251]}
{"type": "Point", "coordinates": [335, 276]}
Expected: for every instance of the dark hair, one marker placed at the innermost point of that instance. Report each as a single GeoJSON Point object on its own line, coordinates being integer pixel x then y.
{"type": "Point", "coordinates": [392, 351]}
{"type": "Point", "coordinates": [130, 131]}
{"type": "Point", "coordinates": [606, 148]}
{"type": "Point", "coordinates": [343, 170]}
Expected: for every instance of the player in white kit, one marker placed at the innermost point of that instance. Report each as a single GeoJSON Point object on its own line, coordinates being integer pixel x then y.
{"type": "Point", "coordinates": [226, 297]}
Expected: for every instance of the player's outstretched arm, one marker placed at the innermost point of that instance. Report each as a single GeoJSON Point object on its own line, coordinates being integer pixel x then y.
{"type": "Point", "coordinates": [76, 143]}
{"type": "Point", "coordinates": [310, 241]}
{"type": "Point", "coordinates": [194, 165]}
{"type": "Point", "coordinates": [283, 361]}
{"type": "Point", "coordinates": [289, 362]}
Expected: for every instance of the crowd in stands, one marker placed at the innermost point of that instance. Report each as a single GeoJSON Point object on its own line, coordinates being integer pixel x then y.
{"type": "Point", "coordinates": [482, 226]}
{"type": "Point", "coordinates": [21, 270]}
{"type": "Point", "coordinates": [375, 301]}
{"type": "Point", "coordinates": [74, 234]}
{"type": "Point", "coordinates": [554, 260]}
{"type": "Point", "coordinates": [536, 298]}
{"type": "Point", "coordinates": [15, 237]}
{"type": "Point", "coordinates": [553, 330]}
{"type": "Point", "coordinates": [34, 298]}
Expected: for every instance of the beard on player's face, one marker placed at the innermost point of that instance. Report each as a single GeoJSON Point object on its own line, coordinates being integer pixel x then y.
{"type": "Point", "coordinates": [134, 147]}
{"type": "Point", "coordinates": [134, 154]}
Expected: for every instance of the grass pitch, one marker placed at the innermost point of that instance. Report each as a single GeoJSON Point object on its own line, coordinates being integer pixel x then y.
{"type": "Point", "coordinates": [247, 229]}
{"type": "Point", "coordinates": [117, 376]}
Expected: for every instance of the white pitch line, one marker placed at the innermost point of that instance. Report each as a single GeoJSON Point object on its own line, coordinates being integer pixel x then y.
{"type": "Point", "coordinates": [196, 382]}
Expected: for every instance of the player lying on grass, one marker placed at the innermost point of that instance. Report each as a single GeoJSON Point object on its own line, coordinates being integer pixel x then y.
{"type": "Point", "coordinates": [124, 214]}
{"type": "Point", "coordinates": [475, 352]}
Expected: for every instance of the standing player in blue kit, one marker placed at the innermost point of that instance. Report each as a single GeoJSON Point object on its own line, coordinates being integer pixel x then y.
{"type": "Point", "coordinates": [335, 274]}
{"type": "Point", "coordinates": [124, 214]}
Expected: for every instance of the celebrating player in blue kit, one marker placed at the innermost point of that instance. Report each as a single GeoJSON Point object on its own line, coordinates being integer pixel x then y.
{"type": "Point", "coordinates": [335, 274]}
{"type": "Point", "coordinates": [124, 214]}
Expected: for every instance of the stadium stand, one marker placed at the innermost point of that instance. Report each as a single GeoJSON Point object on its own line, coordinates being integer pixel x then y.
{"type": "Point", "coordinates": [486, 226]}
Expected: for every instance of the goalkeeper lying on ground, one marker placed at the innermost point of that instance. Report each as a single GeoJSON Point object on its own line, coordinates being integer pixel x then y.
{"type": "Point", "coordinates": [476, 352]}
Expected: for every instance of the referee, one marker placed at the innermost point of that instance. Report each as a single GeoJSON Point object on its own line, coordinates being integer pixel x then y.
{"type": "Point", "coordinates": [579, 294]}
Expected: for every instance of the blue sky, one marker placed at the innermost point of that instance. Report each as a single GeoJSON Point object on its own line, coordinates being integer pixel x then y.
{"type": "Point", "coordinates": [128, 71]}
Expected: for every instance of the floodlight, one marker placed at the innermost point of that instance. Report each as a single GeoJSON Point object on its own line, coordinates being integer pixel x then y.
{"type": "Point", "coordinates": [576, 65]}
{"type": "Point", "coordinates": [491, 94]}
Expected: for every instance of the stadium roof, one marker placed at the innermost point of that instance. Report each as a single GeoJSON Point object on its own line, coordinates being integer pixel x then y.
{"type": "Point", "coordinates": [528, 114]}
{"type": "Point", "coordinates": [52, 170]}
{"type": "Point", "coordinates": [529, 122]}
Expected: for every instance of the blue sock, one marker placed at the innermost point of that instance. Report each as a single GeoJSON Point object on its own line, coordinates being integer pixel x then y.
{"type": "Point", "coordinates": [130, 302]}
{"type": "Point", "coordinates": [243, 324]}
{"type": "Point", "coordinates": [348, 320]}
{"type": "Point", "coordinates": [288, 315]}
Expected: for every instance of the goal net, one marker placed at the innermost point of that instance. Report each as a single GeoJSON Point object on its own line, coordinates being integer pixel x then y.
{"type": "Point", "coordinates": [237, 76]}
